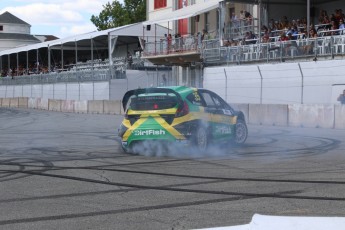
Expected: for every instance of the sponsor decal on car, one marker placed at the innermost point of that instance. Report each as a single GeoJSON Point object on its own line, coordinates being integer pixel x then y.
{"type": "Point", "coordinates": [149, 132]}
{"type": "Point", "coordinates": [223, 129]}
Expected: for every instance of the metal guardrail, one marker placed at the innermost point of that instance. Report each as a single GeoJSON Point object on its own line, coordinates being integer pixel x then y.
{"type": "Point", "coordinates": [180, 44]}
{"type": "Point", "coordinates": [67, 76]}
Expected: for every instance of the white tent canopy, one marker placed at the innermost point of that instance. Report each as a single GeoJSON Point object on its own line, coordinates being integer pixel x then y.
{"type": "Point", "coordinates": [24, 48]}
{"type": "Point", "coordinates": [127, 30]}
{"type": "Point", "coordinates": [187, 12]}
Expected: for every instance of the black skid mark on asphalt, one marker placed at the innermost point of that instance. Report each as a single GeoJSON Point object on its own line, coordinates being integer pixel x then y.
{"type": "Point", "coordinates": [50, 167]}
{"type": "Point", "coordinates": [197, 191]}
{"type": "Point", "coordinates": [136, 209]}
{"type": "Point", "coordinates": [43, 165]}
{"type": "Point", "coordinates": [324, 145]}
{"type": "Point", "coordinates": [98, 192]}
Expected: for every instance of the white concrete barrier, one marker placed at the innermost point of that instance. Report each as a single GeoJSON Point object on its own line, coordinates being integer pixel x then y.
{"type": "Point", "coordinates": [112, 107]}
{"type": "Point", "coordinates": [67, 106]}
{"type": "Point", "coordinates": [80, 106]}
{"type": "Point", "coordinates": [14, 102]}
{"type": "Point", "coordinates": [5, 102]}
{"type": "Point", "coordinates": [297, 115]}
{"type": "Point", "coordinates": [268, 114]}
{"type": "Point", "coordinates": [339, 117]}
{"type": "Point", "coordinates": [54, 105]}
{"type": "Point", "coordinates": [96, 106]}
{"type": "Point", "coordinates": [23, 102]}
{"type": "Point", "coordinates": [32, 103]}
{"type": "Point", "coordinates": [311, 115]}
{"type": "Point", "coordinates": [42, 103]}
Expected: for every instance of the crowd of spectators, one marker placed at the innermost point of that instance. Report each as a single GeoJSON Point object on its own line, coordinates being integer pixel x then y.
{"type": "Point", "coordinates": [34, 68]}
{"type": "Point", "coordinates": [285, 29]}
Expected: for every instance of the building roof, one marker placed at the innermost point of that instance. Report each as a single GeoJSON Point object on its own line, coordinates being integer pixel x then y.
{"type": "Point", "coordinates": [18, 37]}
{"type": "Point", "coordinates": [45, 38]}
{"type": "Point", "coordinates": [185, 12]}
{"type": "Point", "coordinates": [136, 29]}
{"type": "Point", "coordinates": [11, 19]}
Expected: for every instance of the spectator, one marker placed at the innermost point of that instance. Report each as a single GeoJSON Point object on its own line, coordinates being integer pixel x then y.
{"type": "Point", "coordinates": [322, 15]}
{"type": "Point", "coordinates": [248, 18]}
{"type": "Point", "coordinates": [250, 38]}
{"type": "Point", "coordinates": [341, 98]}
{"type": "Point", "coordinates": [164, 80]}
{"type": "Point", "coordinates": [129, 60]}
{"type": "Point", "coordinates": [271, 25]}
{"type": "Point", "coordinates": [169, 42]}
{"type": "Point", "coordinates": [242, 15]}
{"type": "Point", "coordinates": [204, 35]}
{"type": "Point", "coordinates": [234, 20]}
{"type": "Point", "coordinates": [309, 47]}
{"type": "Point", "coordinates": [341, 26]}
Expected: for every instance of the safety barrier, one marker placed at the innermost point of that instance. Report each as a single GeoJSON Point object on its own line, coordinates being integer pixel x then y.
{"type": "Point", "coordinates": [294, 115]}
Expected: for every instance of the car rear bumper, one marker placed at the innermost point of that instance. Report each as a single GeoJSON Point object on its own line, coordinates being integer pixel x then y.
{"type": "Point", "coordinates": [152, 145]}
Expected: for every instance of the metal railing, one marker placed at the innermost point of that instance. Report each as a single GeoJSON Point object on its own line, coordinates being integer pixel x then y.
{"type": "Point", "coordinates": [166, 46]}
{"type": "Point", "coordinates": [239, 28]}
{"type": "Point", "coordinates": [327, 46]}
{"type": "Point", "coordinates": [66, 76]}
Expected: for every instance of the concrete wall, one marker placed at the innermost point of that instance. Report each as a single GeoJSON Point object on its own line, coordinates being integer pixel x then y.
{"type": "Point", "coordinates": [60, 91]}
{"type": "Point", "coordinates": [317, 82]}
{"type": "Point", "coordinates": [295, 115]}
{"type": "Point", "coordinates": [67, 106]}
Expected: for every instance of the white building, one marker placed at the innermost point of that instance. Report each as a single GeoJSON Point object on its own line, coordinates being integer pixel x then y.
{"type": "Point", "coordinates": [14, 32]}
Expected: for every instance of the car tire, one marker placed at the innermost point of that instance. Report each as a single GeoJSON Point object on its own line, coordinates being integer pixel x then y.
{"type": "Point", "coordinates": [241, 132]}
{"type": "Point", "coordinates": [201, 138]}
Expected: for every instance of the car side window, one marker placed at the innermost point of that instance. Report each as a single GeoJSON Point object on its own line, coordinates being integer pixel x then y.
{"type": "Point", "coordinates": [217, 102]}
{"type": "Point", "coordinates": [221, 104]}
{"type": "Point", "coordinates": [208, 100]}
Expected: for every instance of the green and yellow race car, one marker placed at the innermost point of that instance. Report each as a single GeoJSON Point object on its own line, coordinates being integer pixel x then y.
{"type": "Point", "coordinates": [189, 116]}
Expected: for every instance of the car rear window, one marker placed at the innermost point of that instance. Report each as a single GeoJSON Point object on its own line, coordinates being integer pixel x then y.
{"type": "Point", "coordinates": [153, 102]}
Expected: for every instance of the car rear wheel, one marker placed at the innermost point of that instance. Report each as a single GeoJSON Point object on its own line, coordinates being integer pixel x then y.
{"type": "Point", "coordinates": [241, 132]}
{"type": "Point", "coordinates": [201, 139]}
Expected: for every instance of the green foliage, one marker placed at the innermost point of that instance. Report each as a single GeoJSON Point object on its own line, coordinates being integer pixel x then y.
{"type": "Point", "coordinates": [116, 14]}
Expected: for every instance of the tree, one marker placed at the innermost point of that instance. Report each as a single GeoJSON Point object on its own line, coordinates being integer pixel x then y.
{"type": "Point", "coordinates": [116, 14]}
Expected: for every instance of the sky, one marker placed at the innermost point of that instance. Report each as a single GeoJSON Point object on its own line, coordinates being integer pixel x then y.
{"type": "Point", "coordinates": [61, 18]}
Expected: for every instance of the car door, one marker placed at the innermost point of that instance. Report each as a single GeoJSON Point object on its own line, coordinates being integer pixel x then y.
{"type": "Point", "coordinates": [220, 114]}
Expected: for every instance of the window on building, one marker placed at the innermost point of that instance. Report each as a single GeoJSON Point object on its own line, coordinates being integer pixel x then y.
{"type": "Point", "coordinates": [1, 28]}
{"type": "Point", "coordinates": [160, 4]}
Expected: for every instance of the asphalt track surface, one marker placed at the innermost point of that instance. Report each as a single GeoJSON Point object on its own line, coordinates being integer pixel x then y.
{"type": "Point", "coordinates": [67, 171]}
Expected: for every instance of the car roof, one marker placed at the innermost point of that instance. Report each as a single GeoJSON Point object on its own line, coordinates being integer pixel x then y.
{"type": "Point", "coordinates": [182, 90]}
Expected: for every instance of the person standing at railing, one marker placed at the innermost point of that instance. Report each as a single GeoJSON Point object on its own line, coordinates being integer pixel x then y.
{"type": "Point", "coordinates": [341, 98]}
{"type": "Point", "coordinates": [164, 43]}
{"type": "Point", "coordinates": [341, 26]}
{"type": "Point", "coordinates": [242, 15]}
{"type": "Point", "coordinates": [129, 60]}
{"type": "Point", "coordinates": [235, 23]}
{"type": "Point", "coordinates": [248, 18]}
{"type": "Point", "coordinates": [205, 35]}
{"type": "Point", "coordinates": [169, 43]}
